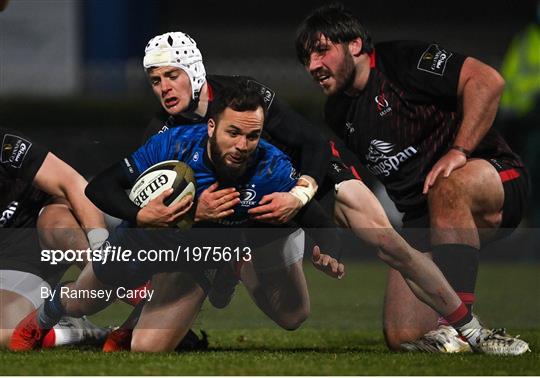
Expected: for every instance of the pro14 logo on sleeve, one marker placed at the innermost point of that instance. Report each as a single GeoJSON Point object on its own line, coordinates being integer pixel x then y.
{"type": "Point", "coordinates": [266, 93]}
{"type": "Point", "coordinates": [434, 60]}
{"type": "Point", "coordinates": [14, 150]}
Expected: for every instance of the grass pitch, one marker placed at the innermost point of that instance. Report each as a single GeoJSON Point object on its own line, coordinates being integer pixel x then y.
{"type": "Point", "coordinates": [342, 337]}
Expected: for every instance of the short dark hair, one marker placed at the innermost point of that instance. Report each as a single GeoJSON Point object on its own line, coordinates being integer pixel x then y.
{"type": "Point", "coordinates": [335, 22]}
{"type": "Point", "coordinates": [241, 96]}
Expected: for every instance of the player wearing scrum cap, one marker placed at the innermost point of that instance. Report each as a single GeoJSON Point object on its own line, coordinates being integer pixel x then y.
{"type": "Point", "coordinates": [177, 75]}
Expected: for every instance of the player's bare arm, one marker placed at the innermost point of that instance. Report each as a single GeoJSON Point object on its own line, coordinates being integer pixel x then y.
{"type": "Point", "coordinates": [479, 90]}
{"type": "Point", "coordinates": [58, 179]}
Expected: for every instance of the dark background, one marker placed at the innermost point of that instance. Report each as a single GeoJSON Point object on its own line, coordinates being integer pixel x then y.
{"type": "Point", "coordinates": [103, 119]}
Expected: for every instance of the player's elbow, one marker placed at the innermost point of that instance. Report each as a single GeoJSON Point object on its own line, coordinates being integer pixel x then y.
{"type": "Point", "coordinates": [498, 83]}
{"type": "Point", "coordinates": [494, 80]}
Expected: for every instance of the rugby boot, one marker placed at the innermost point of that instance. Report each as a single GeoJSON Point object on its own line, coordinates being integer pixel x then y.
{"type": "Point", "coordinates": [118, 340]}
{"type": "Point", "coordinates": [28, 335]}
{"type": "Point", "coordinates": [444, 339]}
{"type": "Point", "coordinates": [495, 342]}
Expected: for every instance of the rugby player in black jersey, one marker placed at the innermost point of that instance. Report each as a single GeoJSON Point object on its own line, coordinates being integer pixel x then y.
{"type": "Point", "coordinates": [419, 118]}
{"type": "Point", "coordinates": [176, 73]}
{"type": "Point", "coordinates": [42, 205]}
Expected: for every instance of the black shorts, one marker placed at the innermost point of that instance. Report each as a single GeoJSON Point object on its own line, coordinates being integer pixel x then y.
{"type": "Point", "coordinates": [516, 186]}
{"type": "Point", "coordinates": [343, 166]}
{"type": "Point", "coordinates": [20, 250]}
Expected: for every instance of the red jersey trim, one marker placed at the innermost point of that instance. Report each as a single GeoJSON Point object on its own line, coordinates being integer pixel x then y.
{"type": "Point", "coordinates": [210, 91]}
{"type": "Point", "coordinates": [372, 59]}
{"type": "Point", "coordinates": [508, 175]}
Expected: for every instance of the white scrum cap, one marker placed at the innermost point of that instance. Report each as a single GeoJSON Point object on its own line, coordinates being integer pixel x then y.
{"type": "Point", "coordinates": [177, 49]}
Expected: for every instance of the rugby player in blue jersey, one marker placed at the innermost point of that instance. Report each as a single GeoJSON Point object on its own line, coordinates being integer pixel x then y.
{"type": "Point", "coordinates": [228, 148]}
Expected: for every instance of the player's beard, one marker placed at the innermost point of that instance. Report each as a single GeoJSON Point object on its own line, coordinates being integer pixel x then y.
{"type": "Point", "coordinates": [344, 75]}
{"type": "Point", "coordinates": [224, 171]}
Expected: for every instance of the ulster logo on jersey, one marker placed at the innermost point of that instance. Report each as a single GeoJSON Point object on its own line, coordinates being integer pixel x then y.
{"type": "Point", "coordinates": [384, 163]}
{"type": "Point", "coordinates": [383, 107]}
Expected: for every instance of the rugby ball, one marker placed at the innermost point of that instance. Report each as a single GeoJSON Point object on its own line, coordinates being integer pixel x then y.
{"type": "Point", "coordinates": [160, 177]}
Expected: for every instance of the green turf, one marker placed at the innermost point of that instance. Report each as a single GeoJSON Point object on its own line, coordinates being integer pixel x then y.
{"type": "Point", "coordinates": [342, 336]}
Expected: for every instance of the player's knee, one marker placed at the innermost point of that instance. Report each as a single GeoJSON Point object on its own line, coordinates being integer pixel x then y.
{"type": "Point", "coordinates": [140, 342]}
{"type": "Point", "coordinates": [447, 189]}
{"type": "Point", "coordinates": [395, 337]}
{"type": "Point", "coordinates": [293, 320]}
{"type": "Point", "coordinates": [447, 196]}
{"type": "Point", "coordinates": [142, 345]}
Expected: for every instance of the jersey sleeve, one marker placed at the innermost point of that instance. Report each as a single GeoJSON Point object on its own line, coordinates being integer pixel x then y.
{"type": "Point", "coordinates": [284, 176]}
{"type": "Point", "coordinates": [157, 149]}
{"type": "Point", "coordinates": [427, 72]}
{"type": "Point", "coordinates": [19, 156]}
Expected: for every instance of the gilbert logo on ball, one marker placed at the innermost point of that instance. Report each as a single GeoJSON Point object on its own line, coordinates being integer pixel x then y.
{"type": "Point", "coordinates": [160, 177]}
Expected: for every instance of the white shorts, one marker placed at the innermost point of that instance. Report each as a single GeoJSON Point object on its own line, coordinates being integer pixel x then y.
{"type": "Point", "coordinates": [280, 253]}
{"type": "Point", "coordinates": [25, 284]}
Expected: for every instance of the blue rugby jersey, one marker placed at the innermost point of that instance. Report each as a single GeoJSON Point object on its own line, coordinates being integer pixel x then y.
{"type": "Point", "coordinates": [269, 170]}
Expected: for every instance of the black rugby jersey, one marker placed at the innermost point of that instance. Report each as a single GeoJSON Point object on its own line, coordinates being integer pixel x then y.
{"type": "Point", "coordinates": [283, 127]}
{"type": "Point", "coordinates": [20, 159]}
{"type": "Point", "coordinates": [407, 117]}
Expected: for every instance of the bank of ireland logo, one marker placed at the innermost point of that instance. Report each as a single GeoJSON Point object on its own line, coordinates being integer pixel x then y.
{"type": "Point", "coordinates": [383, 106]}
{"type": "Point", "coordinates": [247, 196]}
{"type": "Point", "coordinates": [381, 160]}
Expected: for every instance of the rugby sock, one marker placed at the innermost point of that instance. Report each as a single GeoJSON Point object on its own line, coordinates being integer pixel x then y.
{"type": "Point", "coordinates": [472, 331]}
{"type": "Point", "coordinates": [459, 264]}
{"type": "Point", "coordinates": [459, 317]}
{"type": "Point", "coordinates": [51, 310]}
{"type": "Point", "coordinates": [138, 298]}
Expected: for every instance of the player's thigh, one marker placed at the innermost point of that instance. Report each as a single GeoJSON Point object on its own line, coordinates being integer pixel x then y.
{"type": "Point", "coordinates": [481, 187]}
{"type": "Point", "coordinates": [20, 293]}
{"type": "Point", "coordinates": [168, 316]}
{"type": "Point", "coordinates": [405, 318]}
